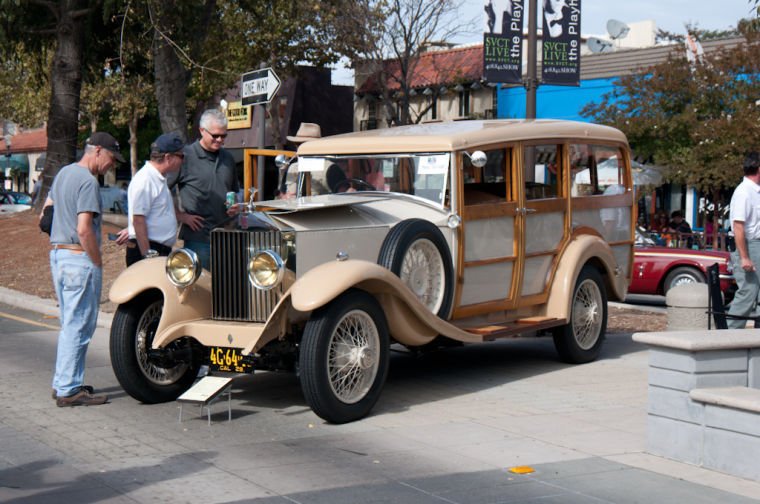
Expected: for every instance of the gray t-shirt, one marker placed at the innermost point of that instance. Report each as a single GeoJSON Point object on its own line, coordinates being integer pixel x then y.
{"type": "Point", "coordinates": [204, 181]}
{"type": "Point", "coordinates": [75, 190]}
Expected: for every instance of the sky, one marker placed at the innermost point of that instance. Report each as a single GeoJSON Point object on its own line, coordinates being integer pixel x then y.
{"type": "Point", "coordinates": [670, 15]}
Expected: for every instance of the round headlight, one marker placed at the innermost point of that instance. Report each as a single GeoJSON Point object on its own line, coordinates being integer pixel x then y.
{"type": "Point", "coordinates": [183, 267]}
{"type": "Point", "coordinates": [266, 269]}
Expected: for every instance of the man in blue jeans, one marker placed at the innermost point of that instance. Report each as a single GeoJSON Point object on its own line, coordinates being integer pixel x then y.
{"type": "Point", "coordinates": [204, 180]}
{"type": "Point", "coordinates": [76, 264]}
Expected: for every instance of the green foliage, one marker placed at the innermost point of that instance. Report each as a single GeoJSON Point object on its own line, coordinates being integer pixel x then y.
{"type": "Point", "coordinates": [25, 85]}
{"type": "Point", "coordinates": [697, 120]}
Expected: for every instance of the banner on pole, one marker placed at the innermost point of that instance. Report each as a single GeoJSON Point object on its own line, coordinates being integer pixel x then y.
{"type": "Point", "coordinates": [561, 43]}
{"type": "Point", "coordinates": [503, 41]}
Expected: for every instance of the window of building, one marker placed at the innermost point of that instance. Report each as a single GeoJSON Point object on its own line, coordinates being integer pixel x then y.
{"type": "Point", "coordinates": [464, 103]}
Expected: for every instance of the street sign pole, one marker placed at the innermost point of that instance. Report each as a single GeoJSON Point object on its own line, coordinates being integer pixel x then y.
{"type": "Point", "coordinates": [262, 140]}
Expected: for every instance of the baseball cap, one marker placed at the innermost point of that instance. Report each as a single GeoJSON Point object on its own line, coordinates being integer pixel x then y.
{"type": "Point", "coordinates": [167, 143]}
{"type": "Point", "coordinates": [106, 141]}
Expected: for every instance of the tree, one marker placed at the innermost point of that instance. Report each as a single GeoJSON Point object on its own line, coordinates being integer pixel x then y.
{"type": "Point", "coordinates": [394, 42]}
{"type": "Point", "coordinates": [697, 119]}
{"type": "Point", "coordinates": [25, 84]}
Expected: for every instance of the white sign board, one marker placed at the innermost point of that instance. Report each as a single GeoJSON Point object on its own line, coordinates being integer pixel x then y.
{"type": "Point", "coordinates": [259, 86]}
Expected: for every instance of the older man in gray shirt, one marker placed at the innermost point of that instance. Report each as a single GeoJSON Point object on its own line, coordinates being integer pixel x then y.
{"type": "Point", "coordinates": [204, 180]}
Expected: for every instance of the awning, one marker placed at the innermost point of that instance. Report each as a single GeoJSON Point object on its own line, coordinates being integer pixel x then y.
{"type": "Point", "coordinates": [18, 162]}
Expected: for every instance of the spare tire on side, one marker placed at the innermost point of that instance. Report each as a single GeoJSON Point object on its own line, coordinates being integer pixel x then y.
{"type": "Point", "coordinates": [417, 252]}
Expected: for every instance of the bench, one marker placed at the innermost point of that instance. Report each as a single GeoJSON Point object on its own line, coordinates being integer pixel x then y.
{"type": "Point", "coordinates": [704, 398]}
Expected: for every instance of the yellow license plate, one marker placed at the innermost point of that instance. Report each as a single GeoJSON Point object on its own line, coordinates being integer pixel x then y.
{"type": "Point", "coordinates": [229, 360]}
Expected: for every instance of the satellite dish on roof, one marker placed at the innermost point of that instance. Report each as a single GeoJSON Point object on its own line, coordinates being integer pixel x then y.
{"type": "Point", "coordinates": [617, 29]}
{"type": "Point", "coordinates": [597, 45]}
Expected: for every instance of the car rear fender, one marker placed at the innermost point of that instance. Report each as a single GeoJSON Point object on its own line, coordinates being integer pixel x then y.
{"type": "Point", "coordinates": [410, 322]}
{"type": "Point", "coordinates": [191, 303]}
{"type": "Point", "coordinates": [582, 250]}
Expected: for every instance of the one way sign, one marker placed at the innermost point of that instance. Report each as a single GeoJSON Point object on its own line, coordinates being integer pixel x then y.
{"type": "Point", "coordinates": [259, 86]}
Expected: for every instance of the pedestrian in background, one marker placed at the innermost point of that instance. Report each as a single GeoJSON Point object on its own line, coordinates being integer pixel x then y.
{"type": "Point", "coordinates": [203, 182]}
{"type": "Point", "coordinates": [744, 217]}
{"type": "Point", "coordinates": [76, 264]}
{"type": "Point", "coordinates": [152, 220]}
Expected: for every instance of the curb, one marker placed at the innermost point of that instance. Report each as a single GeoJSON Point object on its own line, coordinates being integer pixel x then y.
{"type": "Point", "coordinates": [44, 306]}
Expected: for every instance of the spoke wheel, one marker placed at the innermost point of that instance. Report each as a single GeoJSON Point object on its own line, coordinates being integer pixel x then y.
{"type": "Point", "coordinates": [343, 357]}
{"type": "Point", "coordinates": [416, 251]}
{"type": "Point", "coordinates": [132, 332]}
{"type": "Point", "coordinates": [580, 340]}
{"type": "Point", "coordinates": [146, 330]}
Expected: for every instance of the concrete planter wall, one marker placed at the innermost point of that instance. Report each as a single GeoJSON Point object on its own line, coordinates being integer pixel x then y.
{"type": "Point", "coordinates": [704, 398]}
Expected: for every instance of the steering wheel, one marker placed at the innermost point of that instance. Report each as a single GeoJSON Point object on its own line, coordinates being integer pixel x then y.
{"type": "Point", "coordinates": [362, 185]}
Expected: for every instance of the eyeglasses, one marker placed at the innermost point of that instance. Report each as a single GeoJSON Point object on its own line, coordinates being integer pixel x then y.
{"type": "Point", "coordinates": [217, 136]}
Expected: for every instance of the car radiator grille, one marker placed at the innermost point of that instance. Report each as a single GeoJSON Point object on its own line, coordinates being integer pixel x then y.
{"type": "Point", "coordinates": [233, 295]}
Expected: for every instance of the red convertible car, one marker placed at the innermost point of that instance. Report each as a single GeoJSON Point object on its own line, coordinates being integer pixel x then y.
{"type": "Point", "coordinates": [657, 269]}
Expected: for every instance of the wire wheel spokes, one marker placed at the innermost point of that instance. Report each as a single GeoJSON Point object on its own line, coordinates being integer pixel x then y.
{"type": "Point", "coordinates": [353, 356]}
{"type": "Point", "coordinates": [422, 271]}
{"type": "Point", "coordinates": [587, 314]}
{"type": "Point", "coordinates": [146, 330]}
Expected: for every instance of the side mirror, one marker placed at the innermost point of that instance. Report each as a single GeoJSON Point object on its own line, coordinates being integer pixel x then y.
{"type": "Point", "coordinates": [282, 161]}
{"type": "Point", "coordinates": [477, 158]}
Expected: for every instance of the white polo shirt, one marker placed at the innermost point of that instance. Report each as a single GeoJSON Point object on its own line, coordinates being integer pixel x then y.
{"type": "Point", "coordinates": [148, 195]}
{"type": "Point", "coordinates": [745, 207]}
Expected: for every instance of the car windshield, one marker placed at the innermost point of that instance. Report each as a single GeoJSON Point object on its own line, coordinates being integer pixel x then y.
{"type": "Point", "coordinates": [423, 175]}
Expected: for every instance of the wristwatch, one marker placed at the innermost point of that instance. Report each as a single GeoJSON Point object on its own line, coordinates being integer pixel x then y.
{"type": "Point", "coordinates": [150, 253]}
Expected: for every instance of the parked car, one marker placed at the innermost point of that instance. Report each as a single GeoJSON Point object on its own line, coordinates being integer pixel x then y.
{"type": "Point", "coordinates": [658, 269]}
{"type": "Point", "coordinates": [420, 235]}
{"type": "Point", "coordinates": [11, 204]}
{"type": "Point", "coordinates": [21, 198]}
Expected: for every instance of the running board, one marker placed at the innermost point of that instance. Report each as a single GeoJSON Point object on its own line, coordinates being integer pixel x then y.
{"type": "Point", "coordinates": [513, 329]}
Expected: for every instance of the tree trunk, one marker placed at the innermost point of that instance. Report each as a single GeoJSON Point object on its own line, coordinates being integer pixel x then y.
{"type": "Point", "coordinates": [66, 85]}
{"type": "Point", "coordinates": [171, 87]}
{"type": "Point", "coordinates": [133, 143]}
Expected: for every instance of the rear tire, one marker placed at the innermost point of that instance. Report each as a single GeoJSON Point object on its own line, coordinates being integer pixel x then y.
{"type": "Point", "coordinates": [683, 275]}
{"type": "Point", "coordinates": [132, 332]}
{"type": "Point", "coordinates": [581, 339]}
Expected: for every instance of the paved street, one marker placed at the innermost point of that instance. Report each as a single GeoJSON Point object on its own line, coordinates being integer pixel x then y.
{"type": "Point", "coordinates": [446, 429]}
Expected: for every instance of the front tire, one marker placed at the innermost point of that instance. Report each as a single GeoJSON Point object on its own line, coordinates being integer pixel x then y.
{"type": "Point", "coordinates": [343, 359]}
{"type": "Point", "coordinates": [581, 339]}
{"type": "Point", "coordinates": [132, 332]}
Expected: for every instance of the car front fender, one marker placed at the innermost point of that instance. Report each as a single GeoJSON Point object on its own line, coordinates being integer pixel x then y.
{"type": "Point", "coordinates": [410, 322]}
{"type": "Point", "coordinates": [191, 303]}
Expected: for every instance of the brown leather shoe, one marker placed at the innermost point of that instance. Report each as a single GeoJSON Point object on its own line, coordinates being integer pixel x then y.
{"type": "Point", "coordinates": [81, 398]}
{"type": "Point", "coordinates": [88, 388]}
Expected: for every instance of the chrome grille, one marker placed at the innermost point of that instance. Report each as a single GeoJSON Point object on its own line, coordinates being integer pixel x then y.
{"type": "Point", "coordinates": [233, 295]}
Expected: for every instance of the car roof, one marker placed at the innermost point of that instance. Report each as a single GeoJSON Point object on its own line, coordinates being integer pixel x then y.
{"type": "Point", "coordinates": [456, 135]}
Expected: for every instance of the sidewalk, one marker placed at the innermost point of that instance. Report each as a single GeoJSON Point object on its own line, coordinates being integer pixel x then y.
{"type": "Point", "coordinates": [447, 428]}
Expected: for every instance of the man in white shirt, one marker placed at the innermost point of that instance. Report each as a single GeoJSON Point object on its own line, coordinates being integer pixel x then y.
{"type": "Point", "coordinates": [745, 249]}
{"type": "Point", "coordinates": [152, 220]}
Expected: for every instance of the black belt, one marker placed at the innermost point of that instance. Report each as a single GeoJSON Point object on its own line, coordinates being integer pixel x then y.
{"type": "Point", "coordinates": [157, 246]}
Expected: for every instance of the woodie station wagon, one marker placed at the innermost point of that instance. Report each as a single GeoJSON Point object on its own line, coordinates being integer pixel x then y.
{"type": "Point", "coordinates": [460, 232]}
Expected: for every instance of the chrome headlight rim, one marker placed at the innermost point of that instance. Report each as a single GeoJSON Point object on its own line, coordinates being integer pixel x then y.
{"type": "Point", "coordinates": [278, 266]}
{"type": "Point", "coordinates": [195, 266]}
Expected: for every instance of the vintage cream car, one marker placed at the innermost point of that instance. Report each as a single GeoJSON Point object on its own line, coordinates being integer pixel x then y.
{"type": "Point", "coordinates": [463, 231]}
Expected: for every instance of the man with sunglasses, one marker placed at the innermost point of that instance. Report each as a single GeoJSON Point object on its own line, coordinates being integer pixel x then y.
{"type": "Point", "coordinates": [152, 220]}
{"type": "Point", "coordinates": [204, 180]}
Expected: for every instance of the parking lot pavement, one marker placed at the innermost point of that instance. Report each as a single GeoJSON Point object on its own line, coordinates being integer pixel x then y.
{"type": "Point", "coordinates": [447, 428]}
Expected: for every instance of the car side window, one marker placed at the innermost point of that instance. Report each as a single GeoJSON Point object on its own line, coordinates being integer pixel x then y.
{"type": "Point", "coordinates": [595, 169]}
{"type": "Point", "coordinates": [489, 184]}
{"type": "Point", "coordinates": [541, 171]}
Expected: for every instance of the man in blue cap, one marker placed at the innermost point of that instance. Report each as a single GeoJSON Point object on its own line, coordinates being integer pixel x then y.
{"type": "Point", "coordinates": [152, 220]}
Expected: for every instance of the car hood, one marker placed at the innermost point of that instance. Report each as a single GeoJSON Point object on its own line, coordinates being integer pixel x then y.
{"type": "Point", "coordinates": [342, 211]}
